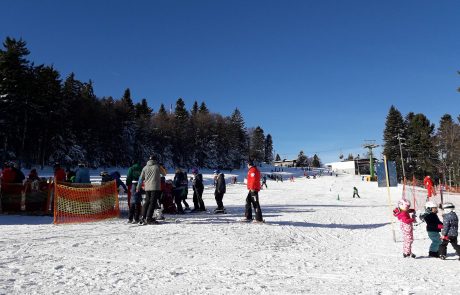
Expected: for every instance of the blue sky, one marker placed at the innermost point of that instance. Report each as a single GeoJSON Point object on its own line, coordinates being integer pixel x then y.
{"type": "Point", "coordinates": [319, 76]}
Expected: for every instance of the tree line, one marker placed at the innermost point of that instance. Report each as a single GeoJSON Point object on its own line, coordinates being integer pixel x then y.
{"type": "Point", "coordinates": [44, 119]}
{"type": "Point", "coordinates": [425, 149]}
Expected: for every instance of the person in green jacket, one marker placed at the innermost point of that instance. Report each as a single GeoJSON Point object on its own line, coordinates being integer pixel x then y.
{"type": "Point", "coordinates": [131, 180]}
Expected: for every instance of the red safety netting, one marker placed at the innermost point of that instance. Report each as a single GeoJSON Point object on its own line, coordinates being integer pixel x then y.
{"type": "Point", "coordinates": [76, 203]}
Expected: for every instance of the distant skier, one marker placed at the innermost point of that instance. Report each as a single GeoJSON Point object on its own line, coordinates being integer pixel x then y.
{"type": "Point", "coordinates": [355, 192]}
{"type": "Point", "coordinates": [406, 217]}
{"type": "Point", "coordinates": [198, 188]}
{"type": "Point", "coordinates": [264, 181]}
{"type": "Point", "coordinates": [429, 186]}
{"type": "Point", "coordinates": [220, 190]}
{"type": "Point", "coordinates": [449, 232]}
{"type": "Point", "coordinates": [252, 199]}
{"type": "Point", "coordinates": [433, 227]}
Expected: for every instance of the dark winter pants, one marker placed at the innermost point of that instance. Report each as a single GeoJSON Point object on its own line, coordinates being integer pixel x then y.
{"type": "Point", "coordinates": [219, 197]}
{"type": "Point", "coordinates": [453, 242]}
{"type": "Point", "coordinates": [253, 200]}
{"type": "Point", "coordinates": [198, 199]}
{"type": "Point", "coordinates": [135, 207]}
{"type": "Point", "coordinates": [151, 203]}
{"type": "Point", "coordinates": [356, 194]}
{"type": "Point", "coordinates": [178, 199]}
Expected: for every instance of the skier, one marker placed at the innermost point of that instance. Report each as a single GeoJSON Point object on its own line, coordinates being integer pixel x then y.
{"type": "Point", "coordinates": [33, 175]}
{"type": "Point", "coordinates": [82, 174]}
{"type": "Point", "coordinates": [252, 199]}
{"type": "Point", "coordinates": [8, 174]}
{"type": "Point", "coordinates": [449, 231]}
{"type": "Point", "coordinates": [264, 181]}
{"type": "Point", "coordinates": [178, 191]}
{"type": "Point", "coordinates": [131, 179]}
{"type": "Point", "coordinates": [429, 186]}
{"type": "Point", "coordinates": [19, 175]}
{"type": "Point", "coordinates": [219, 192]}
{"type": "Point", "coordinates": [433, 227]}
{"type": "Point", "coordinates": [151, 177]}
{"type": "Point", "coordinates": [198, 188]}
{"type": "Point", "coordinates": [402, 212]}
{"type": "Point", "coordinates": [106, 177]}
{"type": "Point", "coordinates": [355, 192]}
{"type": "Point", "coordinates": [59, 173]}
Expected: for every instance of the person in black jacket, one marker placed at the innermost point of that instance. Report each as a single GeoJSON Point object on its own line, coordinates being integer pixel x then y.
{"type": "Point", "coordinates": [433, 227]}
{"type": "Point", "coordinates": [180, 186]}
{"type": "Point", "coordinates": [220, 191]}
{"type": "Point", "coordinates": [198, 188]}
{"type": "Point", "coordinates": [449, 231]}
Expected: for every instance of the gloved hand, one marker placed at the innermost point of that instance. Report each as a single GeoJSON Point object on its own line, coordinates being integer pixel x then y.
{"type": "Point", "coordinates": [440, 226]}
{"type": "Point", "coordinates": [445, 238]}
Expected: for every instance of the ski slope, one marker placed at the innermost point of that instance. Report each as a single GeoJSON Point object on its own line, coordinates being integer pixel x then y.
{"type": "Point", "coordinates": [311, 243]}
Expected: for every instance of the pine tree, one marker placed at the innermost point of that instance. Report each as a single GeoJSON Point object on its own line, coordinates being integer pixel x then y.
{"type": "Point", "coordinates": [422, 156]}
{"type": "Point", "coordinates": [394, 128]}
{"type": "Point", "coordinates": [268, 158]}
{"type": "Point", "coordinates": [448, 144]}
{"type": "Point", "coordinates": [301, 159]}
{"type": "Point", "coordinates": [316, 162]}
{"type": "Point", "coordinates": [257, 145]}
{"type": "Point", "coordinates": [15, 96]}
{"type": "Point", "coordinates": [239, 139]}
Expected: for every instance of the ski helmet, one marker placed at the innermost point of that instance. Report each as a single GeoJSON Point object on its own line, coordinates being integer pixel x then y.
{"type": "Point", "coordinates": [448, 207]}
{"type": "Point", "coordinates": [429, 205]}
{"type": "Point", "coordinates": [404, 204]}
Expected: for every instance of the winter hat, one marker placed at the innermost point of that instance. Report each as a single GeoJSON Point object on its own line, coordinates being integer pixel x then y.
{"type": "Point", "coordinates": [194, 170]}
{"type": "Point", "coordinates": [404, 204]}
{"type": "Point", "coordinates": [251, 162]}
{"type": "Point", "coordinates": [448, 207]}
{"type": "Point", "coordinates": [429, 205]}
{"type": "Point", "coordinates": [217, 171]}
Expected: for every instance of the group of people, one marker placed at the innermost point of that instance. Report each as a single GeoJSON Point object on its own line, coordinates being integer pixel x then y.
{"type": "Point", "coordinates": [440, 233]}
{"type": "Point", "coordinates": [148, 181]}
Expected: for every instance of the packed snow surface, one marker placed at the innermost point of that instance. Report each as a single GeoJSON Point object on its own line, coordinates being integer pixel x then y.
{"type": "Point", "coordinates": [316, 239]}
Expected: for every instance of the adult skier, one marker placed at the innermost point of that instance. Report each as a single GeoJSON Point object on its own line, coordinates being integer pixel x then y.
{"type": "Point", "coordinates": [429, 186]}
{"type": "Point", "coordinates": [198, 188]}
{"type": "Point", "coordinates": [219, 192]}
{"type": "Point", "coordinates": [151, 177]}
{"type": "Point", "coordinates": [179, 183]}
{"type": "Point", "coordinates": [82, 174]}
{"type": "Point", "coordinates": [253, 185]}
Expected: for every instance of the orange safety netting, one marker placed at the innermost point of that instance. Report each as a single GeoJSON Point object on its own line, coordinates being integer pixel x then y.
{"type": "Point", "coordinates": [75, 203]}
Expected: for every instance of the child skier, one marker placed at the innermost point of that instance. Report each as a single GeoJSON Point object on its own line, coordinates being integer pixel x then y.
{"type": "Point", "coordinates": [407, 217]}
{"type": "Point", "coordinates": [433, 227]}
{"type": "Point", "coordinates": [449, 232]}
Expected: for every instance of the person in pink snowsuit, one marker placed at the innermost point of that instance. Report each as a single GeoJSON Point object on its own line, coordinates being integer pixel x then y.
{"type": "Point", "coordinates": [406, 217]}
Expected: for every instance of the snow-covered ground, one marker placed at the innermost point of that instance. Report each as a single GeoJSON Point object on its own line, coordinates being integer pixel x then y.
{"type": "Point", "coordinates": [311, 243]}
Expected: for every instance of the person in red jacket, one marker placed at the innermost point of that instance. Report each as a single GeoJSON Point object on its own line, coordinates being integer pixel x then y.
{"type": "Point", "coordinates": [59, 173]}
{"type": "Point", "coordinates": [252, 199]}
{"type": "Point", "coordinates": [8, 174]}
{"type": "Point", "coordinates": [428, 185]}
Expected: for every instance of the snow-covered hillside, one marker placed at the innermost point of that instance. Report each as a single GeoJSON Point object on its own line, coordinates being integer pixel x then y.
{"type": "Point", "coordinates": [311, 243]}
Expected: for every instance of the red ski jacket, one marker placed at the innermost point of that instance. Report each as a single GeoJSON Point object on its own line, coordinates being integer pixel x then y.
{"type": "Point", "coordinates": [253, 179]}
{"type": "Point", "coordinates": [59, 175]}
